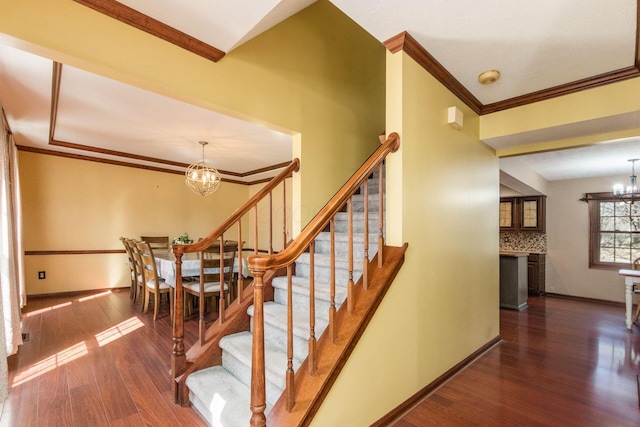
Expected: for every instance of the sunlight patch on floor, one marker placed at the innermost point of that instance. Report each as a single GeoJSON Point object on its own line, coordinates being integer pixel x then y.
{"type": "Point", "coordinates": [94, 296]}
{"type": "Point", "coordinates": [50, 363]}
{"type": "Point", "coordinates": [44, 310]}
{"type": "Point", "coordinates": [118, 331]}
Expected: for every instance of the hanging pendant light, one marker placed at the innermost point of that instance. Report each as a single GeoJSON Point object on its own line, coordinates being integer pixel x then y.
{"type": "Point", "coordinates": [202, 179]}
{"type": "Point", "coordinates": [630, 193]}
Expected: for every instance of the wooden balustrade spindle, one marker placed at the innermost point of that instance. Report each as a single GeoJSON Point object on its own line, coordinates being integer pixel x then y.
{"type": "Point", "coordinates": [311, 358]}
{"type": "Point", "coordinates": [332, 283]}
{"type": "Point", "coordinates": [221, 301]}
{"type": "Point", "coordinates": [365, 259]}
{"type": "Point", "coordinates": [271, 223]}
{"type": "Point", "coordinates": [284, 214]}
{"type": "Point", "coordinates": [240, 264]}
{"type": "Point", "coordinates": [380, 217]}
{"type": "Point", "coordinates": [290, 373]}
{"type": "Point", "coordinates": [255, 230]}
{"type": "Point", "coordinates": [351, 303]}
{"type": "Point", "coordinates": [258, 382]}
{"type": "Point", "coordinates": [201, 301]}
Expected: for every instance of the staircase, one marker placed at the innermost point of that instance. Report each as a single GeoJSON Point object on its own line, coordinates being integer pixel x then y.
{"type": "Point", "coordinates": [222, 394]}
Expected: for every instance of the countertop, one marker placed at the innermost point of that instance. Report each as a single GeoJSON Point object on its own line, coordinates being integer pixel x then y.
{"type": "Point", "coordinates": [514, 253]}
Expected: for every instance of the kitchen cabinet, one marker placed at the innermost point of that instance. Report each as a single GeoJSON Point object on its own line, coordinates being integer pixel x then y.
{"type": "Point", "coordinates": [536, 274]}
{"type": "Point", "coordinates": [522, 213]}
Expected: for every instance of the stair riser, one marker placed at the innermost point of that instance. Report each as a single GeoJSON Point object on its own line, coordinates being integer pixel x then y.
{"type": "Point", "coordinates": [301, 303]}
{"type": "Point", "coordinates": [342, 226]}
{"type": "Point", "coordinates": [323, 274]}
{"type": "Point", "coordinates": [342, 250]}
{"type": "Point", "coordinates": [357, 203]}
{"type": "Point", "coordinates": [278, 336]}
{"type": "Point", "coordinates": [243, 373]}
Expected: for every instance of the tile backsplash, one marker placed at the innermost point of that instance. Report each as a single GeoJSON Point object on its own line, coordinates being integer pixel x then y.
{"type": "Point", "coordinates": [523, 241]}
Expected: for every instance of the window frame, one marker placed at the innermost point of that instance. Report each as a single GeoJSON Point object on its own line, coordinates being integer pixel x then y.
{"type": "Point", "coordinates": [594, 200]}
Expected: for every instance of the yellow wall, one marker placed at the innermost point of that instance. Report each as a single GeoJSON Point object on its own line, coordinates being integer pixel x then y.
{"type": "Point", "coordinates": [71, 204]}
{"type": "Point", "coordinates": [442, 195]}
{"type": "Point", "coordinates": [323, 84]}
{"type": "Point", "coordinates": [305, 77]}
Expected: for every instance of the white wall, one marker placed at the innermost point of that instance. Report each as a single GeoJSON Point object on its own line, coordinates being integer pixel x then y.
{"type": "Point", "coordinates": [567, 261]}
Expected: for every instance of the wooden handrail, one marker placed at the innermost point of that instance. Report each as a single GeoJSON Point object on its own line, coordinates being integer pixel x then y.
{"type": "Point", "coordinates": [299, 245]}
{"type": "Point", "coordinates": [260, 264]}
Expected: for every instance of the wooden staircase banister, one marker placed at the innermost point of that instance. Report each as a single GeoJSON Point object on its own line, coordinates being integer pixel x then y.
{"type": "Point", "coordinates": [261, 263]}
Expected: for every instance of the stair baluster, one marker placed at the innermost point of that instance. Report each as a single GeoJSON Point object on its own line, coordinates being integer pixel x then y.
{"type": "Point", "coordinates": [311, 358]}
{"type": "Point", "coordinates": [380, 217]}
{"type": "Point", "coordinates": [365, 258]}
{"type": "Point", "coordinates": [332, 283]}
{"type": "Point", "coordinates": [351, 302]}
{"type": "Point", "coordinates": [290, 372]}
{"type": "Point", "coordinates": [240, 283]}
{"type": "Point", "coordinates": [284, 216]}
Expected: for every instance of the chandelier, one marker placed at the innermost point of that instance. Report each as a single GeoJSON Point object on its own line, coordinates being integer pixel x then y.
{"type": "Point", "coordinates": [628, 194]}
{"type": "Point", "coordinates": [201, 178]}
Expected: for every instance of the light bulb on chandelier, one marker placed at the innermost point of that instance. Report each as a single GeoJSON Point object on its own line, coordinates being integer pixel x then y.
{"type": "Point", "coordinates": [202, 179]}
{"type": "Point", "coordinates": [628, 194]}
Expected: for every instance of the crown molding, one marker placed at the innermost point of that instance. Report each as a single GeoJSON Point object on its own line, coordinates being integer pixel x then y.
{"type": "Point", "coordinates": [144, 167]}
{"type": "Point", "coordinates": [154, 27]}
{"type": "Point", "coordinates": [404, 42]}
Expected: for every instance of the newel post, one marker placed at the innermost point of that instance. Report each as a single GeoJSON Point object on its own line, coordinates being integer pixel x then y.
{"type": "Point", "coordinates": [258, 382]}
{"type": "Point", "coordinates": [178, 358]}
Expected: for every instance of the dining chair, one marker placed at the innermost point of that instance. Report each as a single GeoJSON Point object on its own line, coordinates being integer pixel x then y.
{"type": "Point", "coordinates": [139, 271]}
{"type": "Point", "coordinates": [132, 267]}
{"type": "Point", "coordinates": [635, 265]}
{"type": "Point", "coordinates": [153, 283]}
{"type": "Point", "coordinates": [157, 242]}
{"type": "Point", "coordinates": [220, 273]}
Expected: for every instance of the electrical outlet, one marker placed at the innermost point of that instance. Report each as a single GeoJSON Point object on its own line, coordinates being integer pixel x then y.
{"type": "Point", "coordinates": [42, 275]}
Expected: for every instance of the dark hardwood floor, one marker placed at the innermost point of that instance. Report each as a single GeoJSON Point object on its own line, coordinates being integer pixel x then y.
{"type": "Point", "coordinates": [562, 362]}
{"type": "Point", "coordinates": [96, 360]}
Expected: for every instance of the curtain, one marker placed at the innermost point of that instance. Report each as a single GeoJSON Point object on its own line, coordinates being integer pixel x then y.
{"type": "Point", "coordinates": [12, 285]}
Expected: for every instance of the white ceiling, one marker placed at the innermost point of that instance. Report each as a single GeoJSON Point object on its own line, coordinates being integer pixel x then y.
{"type": "Point", "coordinates": [534, 45]}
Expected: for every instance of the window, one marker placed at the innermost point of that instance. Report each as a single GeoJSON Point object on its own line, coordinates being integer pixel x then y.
{"type": "Point", "coordinates": [615, 231]}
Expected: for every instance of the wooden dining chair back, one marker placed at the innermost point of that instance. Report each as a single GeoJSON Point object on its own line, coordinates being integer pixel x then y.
{"type": "Point", "coordinates": [635, 265]}
{"type": "Point", "coordinates": [139, 271]}
{"type": "Point", "coordinates": [217, 271]}
{"type": "Point", "coordinates": [157, 243]}
{"type": "Point", "coordinates": [154, 285]}
{"type": "Point", "coordinates": [132, 267]}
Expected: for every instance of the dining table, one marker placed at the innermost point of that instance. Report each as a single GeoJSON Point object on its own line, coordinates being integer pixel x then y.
{"type": "Point", "coordinates": [166, 266]}
{"type": "Point", "coordinates": [630, 277]}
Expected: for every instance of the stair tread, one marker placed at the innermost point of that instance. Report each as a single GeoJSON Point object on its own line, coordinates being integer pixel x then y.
{"type": "Point", "coordinates": [276, 315]}
{"type": "Point", "coordinates": [227, 404]}
{"type": "Point", "coordinates": [240, 345]}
